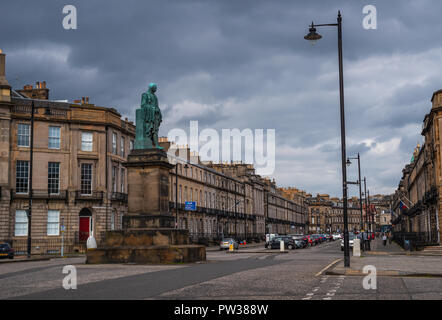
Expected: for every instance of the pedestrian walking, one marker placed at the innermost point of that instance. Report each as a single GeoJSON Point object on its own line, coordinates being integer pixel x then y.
{"type": "Point", "coordinates": [390, 238]}
{"type": "Point", "coordinates": [366, 241]}
{"type": "Point", "coordinates": [384, 239]}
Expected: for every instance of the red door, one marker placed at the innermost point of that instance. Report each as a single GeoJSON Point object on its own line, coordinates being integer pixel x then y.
{"type": "Point", "coordinates": [85, 227]}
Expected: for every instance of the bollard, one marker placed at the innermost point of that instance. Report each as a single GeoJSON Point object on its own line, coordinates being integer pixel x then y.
{"type": "Point", "coordinates": [281, 245]}
{"type": "Point", "coordinates": [231, 247]}
{"type": "Point", "coordinates": [90, 242]}
{"type": "Point", "coordinates": [356, 248]}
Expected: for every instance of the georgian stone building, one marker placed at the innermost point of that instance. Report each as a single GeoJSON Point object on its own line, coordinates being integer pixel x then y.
{"type": "Point", "coordinates": [231, 200]}
{"type": "Point", "coordinates": [416, 203]}
{"type": "Point", "coordinates": [78, 175]}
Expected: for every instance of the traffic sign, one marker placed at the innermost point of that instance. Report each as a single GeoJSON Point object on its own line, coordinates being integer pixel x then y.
{"type": "Point", "coordinates": [190, 206]}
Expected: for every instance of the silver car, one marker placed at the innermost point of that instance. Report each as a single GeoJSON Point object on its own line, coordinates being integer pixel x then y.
{"type": "Point", "coordinates": [225, 244]}
{"type": "Point", "coordinates": [351, 237]}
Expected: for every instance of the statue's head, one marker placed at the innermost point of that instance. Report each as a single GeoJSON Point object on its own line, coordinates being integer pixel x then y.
{"type": "Point", "coordinates": [152, 87]}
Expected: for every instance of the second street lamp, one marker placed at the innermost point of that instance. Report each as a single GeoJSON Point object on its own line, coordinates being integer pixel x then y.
{"type": "Point", "coordinates": [313, 37]}
{"type": "Point", "coordinates": [360, 185]}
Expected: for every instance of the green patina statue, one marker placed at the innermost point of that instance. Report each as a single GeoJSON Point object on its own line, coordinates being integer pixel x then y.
{"type": "Point", "coordinates": [148, 120]}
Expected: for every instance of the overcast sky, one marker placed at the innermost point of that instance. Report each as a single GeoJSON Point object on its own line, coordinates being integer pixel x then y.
{"type": "Point", "coordinates": [244, 64]}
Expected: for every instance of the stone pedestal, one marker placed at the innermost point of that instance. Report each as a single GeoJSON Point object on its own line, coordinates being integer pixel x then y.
{"type": "Point", "coordinates": [148, 234]}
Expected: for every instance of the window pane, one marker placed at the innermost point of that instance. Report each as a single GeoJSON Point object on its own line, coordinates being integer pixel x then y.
{"type": "Point", "coordinates": [114, 179]}
{"type": "Point", "coordinates": [23, 135]}
{"type": "Point", "coordinates": [114, 143]}
{"type": "Point", "coordinates": [53, 223]}
{"type": "Point", "coordinates": [86, 178]}
{"type": "Point", "coordinates": [122, 180]}
{"type": "Point", "coordinates": [86, 141]}
{"type": "Point", "coordinates": [53, 177]}
{"type": "Point", "coordinates": [21, 223]}
{"type": "Point", "coordinates": [122, 146]}
{"type": "Point", "coordinates": [22, 176]}
{"type": "Point", "coordinates": [54, 138]}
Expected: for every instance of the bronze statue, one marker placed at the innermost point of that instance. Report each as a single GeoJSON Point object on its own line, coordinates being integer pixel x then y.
{"type": "Point", "coordinates": [148, 120]}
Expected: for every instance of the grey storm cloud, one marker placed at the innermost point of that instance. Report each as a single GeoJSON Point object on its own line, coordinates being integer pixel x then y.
{"type": "Point", "coordinates": [245, 64]}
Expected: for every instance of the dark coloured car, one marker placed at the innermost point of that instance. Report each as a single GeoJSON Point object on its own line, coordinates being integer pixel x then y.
{"type": "Point", "coordinates": [300, 244]}
{"type": "Point", "coordinates": [289, 243]}
{"type": "Point", "coordinates": [6, 251]}
{"type": "Point", "coordinates": [301, 241]}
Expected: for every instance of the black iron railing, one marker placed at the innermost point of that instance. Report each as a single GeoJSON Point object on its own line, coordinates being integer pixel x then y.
{"type": "Point", "coordinates": [93, 196]}
{"type": "Point", "coordinates": [415, 240]}
{"type": "Point", "coordinates": [118, 196]}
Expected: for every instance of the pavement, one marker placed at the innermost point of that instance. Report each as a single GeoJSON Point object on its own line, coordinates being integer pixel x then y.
{"type": "Point", "coordinates": [390, 260]}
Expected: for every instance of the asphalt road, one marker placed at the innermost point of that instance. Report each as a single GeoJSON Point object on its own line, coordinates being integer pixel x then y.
{"type": "Point", "coordinates": [295, 275]}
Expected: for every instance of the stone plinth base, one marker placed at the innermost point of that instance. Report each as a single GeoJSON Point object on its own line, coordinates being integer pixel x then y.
{"type": "Point", "coordinates": [157, 245]}
{"type": "Point", "coordinates": [133, 222]}
{"type": "Point", "coordinates": [146, 255]}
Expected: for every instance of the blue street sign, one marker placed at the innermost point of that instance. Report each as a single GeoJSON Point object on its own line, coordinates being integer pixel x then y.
{"type": "Point", "coordinates": [190, 206]}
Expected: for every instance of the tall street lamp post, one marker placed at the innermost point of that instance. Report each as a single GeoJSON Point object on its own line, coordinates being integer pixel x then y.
{"type": "Point", "coordinates": [313, 37]}
{"type": "Point", "coordinates": [360, 185]}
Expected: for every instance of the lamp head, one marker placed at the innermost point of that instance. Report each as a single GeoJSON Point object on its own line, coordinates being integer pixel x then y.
{"type": "Point", "coordinates": [313, 36]}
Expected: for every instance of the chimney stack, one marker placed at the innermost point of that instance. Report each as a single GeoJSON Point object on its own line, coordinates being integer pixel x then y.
{"type": "Point", "coordinates": [39, 92]}
{"type": "Point", "coordinates": [5, 88]}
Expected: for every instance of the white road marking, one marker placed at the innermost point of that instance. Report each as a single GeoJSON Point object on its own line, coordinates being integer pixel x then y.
{"type": "Point", "coordinates": [320, 272]}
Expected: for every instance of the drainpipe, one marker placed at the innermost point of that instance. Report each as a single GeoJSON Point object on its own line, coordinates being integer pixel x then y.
{"type": "Point", "coordinates": [31, 160]}
{"type": "Point", "coordinates": [107, 178]}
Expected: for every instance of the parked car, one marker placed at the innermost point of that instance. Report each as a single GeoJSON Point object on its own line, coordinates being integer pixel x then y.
{"type": "Point", "coordinates": [302, 241]}
{"type": "Point", "coordinates": [6, 251]}
{"type": "Point", "coordinates": [289, 243]}
{"type": "Point", "coordinates": [317, 239]}
{"type": "Point", "coordinates": [269, 238]}
{"type": "Point", "coordinates": [300, 244]}
{"type": "Point", "coordinates": [225, 244]}
{"type": "Point", "coordinates": [336, 236]}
